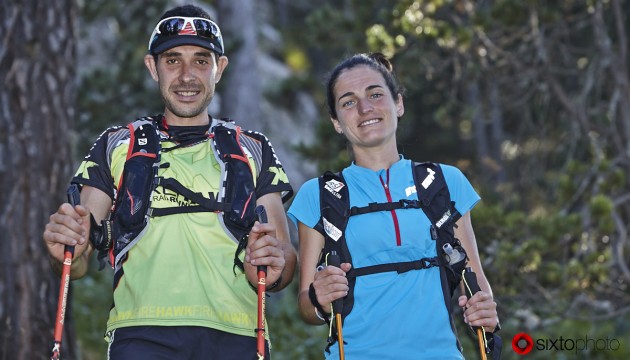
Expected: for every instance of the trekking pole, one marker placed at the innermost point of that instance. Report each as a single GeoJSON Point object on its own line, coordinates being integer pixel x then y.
{"type": "Point", "coordinates": [337, 305]}
{"type": "Point", "coordinates": [472, 287]}
{"type": "Point", "coordinates": [74, 198]}
{"type": "Point", "coordinates": [262, 274]}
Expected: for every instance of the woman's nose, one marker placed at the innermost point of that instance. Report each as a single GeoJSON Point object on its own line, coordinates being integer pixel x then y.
{"type": "Point", "coordinates": [364, 106]}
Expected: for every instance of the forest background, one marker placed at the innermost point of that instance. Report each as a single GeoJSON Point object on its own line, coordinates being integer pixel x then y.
{"type": "Point", "coordinates": [531, 99]}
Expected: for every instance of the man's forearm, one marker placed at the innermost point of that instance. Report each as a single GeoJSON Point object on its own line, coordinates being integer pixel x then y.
{"type": "Point", "coordinates": [290, 261]}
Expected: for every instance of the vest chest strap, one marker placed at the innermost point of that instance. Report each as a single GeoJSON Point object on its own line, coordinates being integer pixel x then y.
{"type": "Point", "coordinates": [401, 267]}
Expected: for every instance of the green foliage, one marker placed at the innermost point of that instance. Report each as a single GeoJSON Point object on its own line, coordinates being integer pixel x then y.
{"type": "Point", "coordinates": [601, 207]}
{"type": "Point", "coordinates": [92, 298]}
{"type": "Point", "coordinates": [330, 153]}
{"type": "Point", "coordinates": [291, 338]}
{"type": "Point", "coordinates": [284, 92]}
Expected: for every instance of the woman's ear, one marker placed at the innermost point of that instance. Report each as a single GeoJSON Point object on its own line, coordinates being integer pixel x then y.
{"type": "Point", "coordinates": [337, 125]}
{"type": "Point", "coordinates": [400, 106]}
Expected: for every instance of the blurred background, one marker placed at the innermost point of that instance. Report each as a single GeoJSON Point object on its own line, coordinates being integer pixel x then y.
{"type": "Point", "coordinates": [531, 99]}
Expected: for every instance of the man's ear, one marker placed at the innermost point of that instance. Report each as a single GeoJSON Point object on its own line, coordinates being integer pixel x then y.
{"type": "Point", "coordinates": [222, 63]}
{"type": "Point", "coordinates": [149, 61]}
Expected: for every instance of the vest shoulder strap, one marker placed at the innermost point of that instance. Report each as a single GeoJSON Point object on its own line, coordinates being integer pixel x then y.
{"type": "Point", "coordinates": [132, 203]}
{"type": "Point", "coordinates": [434, 195]}
{"type": "Point", "coordinates": [334, 204]}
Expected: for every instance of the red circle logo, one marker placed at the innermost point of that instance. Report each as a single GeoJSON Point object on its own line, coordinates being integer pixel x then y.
{"type": "Point", "coordinates": [522, 343]}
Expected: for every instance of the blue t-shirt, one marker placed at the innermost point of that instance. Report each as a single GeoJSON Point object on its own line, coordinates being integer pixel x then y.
{"type": "Point", "coordinates": [395, 316]}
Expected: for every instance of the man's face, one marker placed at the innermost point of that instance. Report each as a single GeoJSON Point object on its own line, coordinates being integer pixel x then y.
{"type": "Point", "coordinates": [187, 76]}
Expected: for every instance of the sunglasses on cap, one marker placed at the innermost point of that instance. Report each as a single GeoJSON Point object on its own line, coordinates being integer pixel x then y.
{"type": "Point", "coordinates": [181, 30]}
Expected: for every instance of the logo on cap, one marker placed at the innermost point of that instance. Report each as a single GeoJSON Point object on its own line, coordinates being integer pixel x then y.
{"type": "Point", "coordinates": [188, 29]}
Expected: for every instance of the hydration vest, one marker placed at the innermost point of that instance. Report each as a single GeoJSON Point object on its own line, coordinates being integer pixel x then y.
{"type": "Point", "coordinates": [132, 209]}
{"type": "Point", "coordinates": [433, 198]}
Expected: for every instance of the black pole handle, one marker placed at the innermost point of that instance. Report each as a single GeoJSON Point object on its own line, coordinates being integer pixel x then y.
{"type": "Point", "coordinates": [472, 286]}
{"type": "Point", "coordinates": [471, 280]}
{"type": "Point", "coordinates": [261, 214]}
{"type": "Point", "coordinates": [334, 260]}
{"type": "Point", "coordinates": [74, 195]}
{"type": "Point", "coordinates": [74, 198]}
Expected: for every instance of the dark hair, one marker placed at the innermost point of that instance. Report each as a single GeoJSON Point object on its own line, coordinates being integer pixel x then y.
{"type": "Point", "coordinates": [187, 11]}
{"type": "Point", "coordinates": [376, 61]}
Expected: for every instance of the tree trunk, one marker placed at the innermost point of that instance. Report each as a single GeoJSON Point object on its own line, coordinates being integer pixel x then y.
{"type": "Point", "coordinates": [240, 92]}
{"type": "Point", "coordinates": [37, 60]}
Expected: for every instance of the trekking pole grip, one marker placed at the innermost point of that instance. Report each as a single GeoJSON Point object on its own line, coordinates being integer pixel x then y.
{"type": "Point", "coordinates": [261, 214]}
{"type": "Point", "coordinates": [472, 287]}
{"type": "Point", "coordinates": [471, 280]}
{"type": "Point", "coordinates": [334, 260]}
{"type": "Point", "coordinates": [74, 198]}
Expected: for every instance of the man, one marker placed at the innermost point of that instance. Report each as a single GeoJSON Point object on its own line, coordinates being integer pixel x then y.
{"type": "Point", "coordinates": [169, 200]}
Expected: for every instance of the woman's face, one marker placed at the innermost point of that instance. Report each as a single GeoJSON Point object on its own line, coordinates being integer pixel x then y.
{"type": "Point", "coordinates": [367, 113]}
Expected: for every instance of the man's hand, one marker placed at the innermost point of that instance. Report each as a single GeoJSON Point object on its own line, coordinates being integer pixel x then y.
{"type": "Point", "coordinates": [71, 226]}
{"type": "Point", "coordinates": [68, 226]}
{"type": "Point", "coordinates": [263, 249]}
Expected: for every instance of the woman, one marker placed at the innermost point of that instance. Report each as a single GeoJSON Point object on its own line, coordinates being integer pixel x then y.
{"type": "Point", "coordinates": [394, 315]}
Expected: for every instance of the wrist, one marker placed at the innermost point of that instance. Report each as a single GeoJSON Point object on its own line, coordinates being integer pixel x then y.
{"type": "Point", "coordinates": [275, 284]}
{"type": "Point", "coordinates": [267, 287]}
{"type": "Point", "coordinates": [319, 309]}
{"type": "Point", "coordinates": [497, 327]}
{"type": "Point", "coordinates": [322, 317]}
{"type": "Point", "coordinates": [55, 264]}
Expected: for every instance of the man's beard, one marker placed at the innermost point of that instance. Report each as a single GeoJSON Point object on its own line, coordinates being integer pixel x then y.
{"type": "Point", "coordinates": [185, 111]}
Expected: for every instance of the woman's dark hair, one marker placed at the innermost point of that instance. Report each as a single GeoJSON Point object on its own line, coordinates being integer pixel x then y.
{"type": "Point", "coordinates": [376, 61]}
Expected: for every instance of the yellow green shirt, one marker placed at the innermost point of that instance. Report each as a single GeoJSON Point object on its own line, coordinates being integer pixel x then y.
{"type": "Point", "coordinates": [181, 271]}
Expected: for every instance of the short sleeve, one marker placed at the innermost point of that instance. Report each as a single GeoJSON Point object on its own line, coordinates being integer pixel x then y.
{"type": "Point", "coordinates": [461, 190]}
{"type": "Point", "coordinates": [95, 169]}
{"type": "Point", "coordinates": [272, 177]}
{"type": "Point", "coordinates": [305, 206]}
